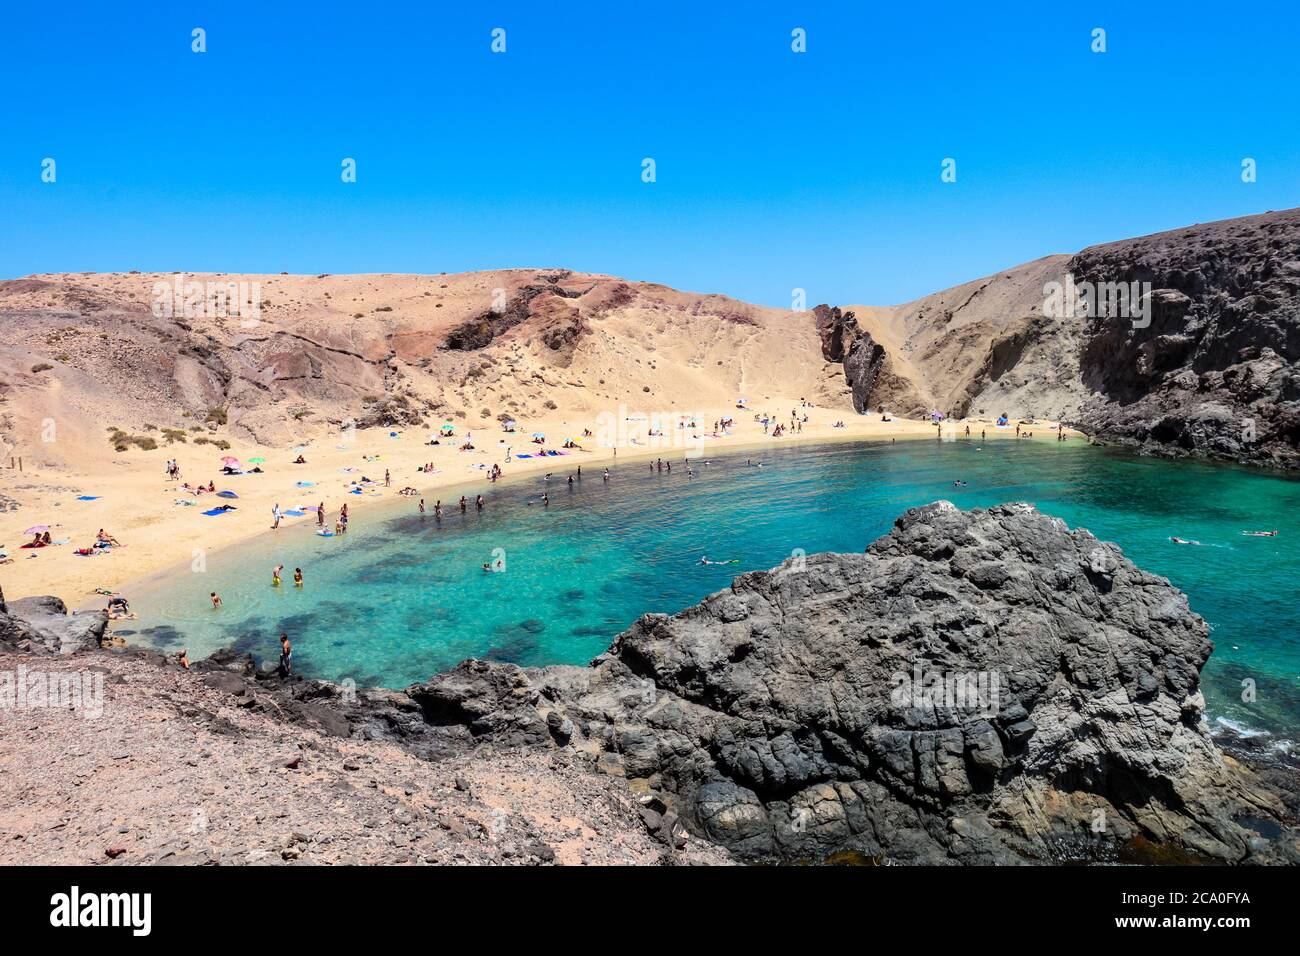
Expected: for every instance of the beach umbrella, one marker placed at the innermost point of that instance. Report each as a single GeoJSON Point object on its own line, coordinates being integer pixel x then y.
{"type": "Point", "coordinates": [229, 458]}
{"type": "Point", "coordinates": [538, 435]}
{"type": "Point", "coordinates": [448, 427]}
{"type": "Point", "coordinates": [257, 461]}
{"type": "Point", "coordinates": [37, 529]}
{"type": "Point", "coordinates": [226, 494]}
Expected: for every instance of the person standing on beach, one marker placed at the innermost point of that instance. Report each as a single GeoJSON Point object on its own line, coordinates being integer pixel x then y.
{"type": "Point", "coordinates": [275, 516]}
{"type": "Point", "coordinates": [421, 506]}
{"type": "Point", "coordinates": [320, 515]}
{"type": "Point", "coordinates": [286, 657]}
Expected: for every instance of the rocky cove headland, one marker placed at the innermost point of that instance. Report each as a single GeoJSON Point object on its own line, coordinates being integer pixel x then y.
{"type": "Point", "coordinates": [984, 686]}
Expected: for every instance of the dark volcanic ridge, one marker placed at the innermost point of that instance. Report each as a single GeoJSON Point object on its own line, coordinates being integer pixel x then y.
{"type": "Point", "coordinates": [1203, 363]}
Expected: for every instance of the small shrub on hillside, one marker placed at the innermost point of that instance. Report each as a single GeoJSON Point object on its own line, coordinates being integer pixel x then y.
{"type": "Point", "coordinates": [41, 367]}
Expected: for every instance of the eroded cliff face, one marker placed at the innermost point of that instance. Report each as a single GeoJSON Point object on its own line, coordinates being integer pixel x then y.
{"type": "Point", "coordinates": [873, 382]}
{"type": "Point", "coordinates": [982, 687]}
{"type": "Point", "coordinates": [1204, 363]}
{"type": "Point", "coordinates": [1215, 373]}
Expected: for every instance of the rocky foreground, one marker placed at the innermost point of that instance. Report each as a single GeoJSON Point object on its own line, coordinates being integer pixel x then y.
{"type": "Point", "coordinates": [978, 687]}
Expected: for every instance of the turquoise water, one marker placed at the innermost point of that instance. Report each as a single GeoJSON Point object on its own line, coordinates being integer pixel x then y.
{"type": "Point", "coordinates": [402, 597]}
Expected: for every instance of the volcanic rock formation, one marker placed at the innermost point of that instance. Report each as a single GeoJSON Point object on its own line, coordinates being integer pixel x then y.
{"type": "Point", "coordinates": [984, 686]}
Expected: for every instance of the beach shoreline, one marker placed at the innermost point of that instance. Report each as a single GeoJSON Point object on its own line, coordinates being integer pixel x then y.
{"type": "Point", "coordinates": [161, 537]}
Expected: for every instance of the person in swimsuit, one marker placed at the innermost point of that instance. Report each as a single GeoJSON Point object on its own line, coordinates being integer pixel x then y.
{"type": "Point", "coordinates": [478, 503]}
{"type": "Point", "coordinates": [297, 577]}
{"type": "Point", "coordinates": [216, 601]}
{"type": "Point", "coordinates": [275, 575]}
{"type": "Point", "coordinates": [286, 656]}
{"type": "Point", "coordinates": [184, 659]}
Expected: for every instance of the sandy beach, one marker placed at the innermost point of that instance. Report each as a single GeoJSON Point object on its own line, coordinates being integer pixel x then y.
{"type": "Point", "coordinates": [135, 502]}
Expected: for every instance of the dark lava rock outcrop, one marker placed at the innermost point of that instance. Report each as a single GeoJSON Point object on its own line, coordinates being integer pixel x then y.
{"type": "Point", "coordinates": [844, 340]}
{"type": "Point", "coordinates": [983, 687]}
{"type": "Point", "coordinates": [1198, 358]}
{"type": "Point", "coordinates": [1215, 373]}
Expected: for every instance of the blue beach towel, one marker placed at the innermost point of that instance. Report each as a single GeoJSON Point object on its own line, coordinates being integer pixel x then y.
{"type": "Point", "coordinates": [88, 497]}
{"type": "Point", "coordinates": [295, 513]}
{"type": "Point", "coordinates": [214, 512]}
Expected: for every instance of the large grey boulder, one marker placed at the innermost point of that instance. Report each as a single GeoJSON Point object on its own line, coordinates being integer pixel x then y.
{"type": "Point", "coordinates": [985, 686]}
{"type": "Point", "coordinates": [44, 621]}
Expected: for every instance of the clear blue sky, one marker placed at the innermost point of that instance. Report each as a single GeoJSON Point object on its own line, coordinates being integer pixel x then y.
{"type": "Point", "coordinates": [775, 170]}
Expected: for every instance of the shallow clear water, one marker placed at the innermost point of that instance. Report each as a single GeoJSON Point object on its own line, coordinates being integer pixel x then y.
{"type": "Point", "coordinates": [402, 597]}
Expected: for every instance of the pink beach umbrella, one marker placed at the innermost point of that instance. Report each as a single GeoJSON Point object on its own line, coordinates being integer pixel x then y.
{"type": "Point", "coordinates": [229, 459]}
{"type": "Point", "coordinates": [37, 529]}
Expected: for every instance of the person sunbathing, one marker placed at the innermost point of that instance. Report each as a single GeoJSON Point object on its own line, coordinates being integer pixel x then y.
{"type": "Point", "coordinates": [105, 538]}
{"type": "Point", "coordinates": [300, 460]}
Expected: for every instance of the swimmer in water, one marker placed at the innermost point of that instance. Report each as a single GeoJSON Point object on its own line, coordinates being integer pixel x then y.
{"type": "Point", "coordinates": [297, 577]}
{"type": "Point", "coordinates": [1183, 541]}
{"type": "Point", "coordinates": [275, 575]}
{"type": "Point", "coordinates": [216, 600]}
{"type": "Point", "coordinates": [1260, 534]}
